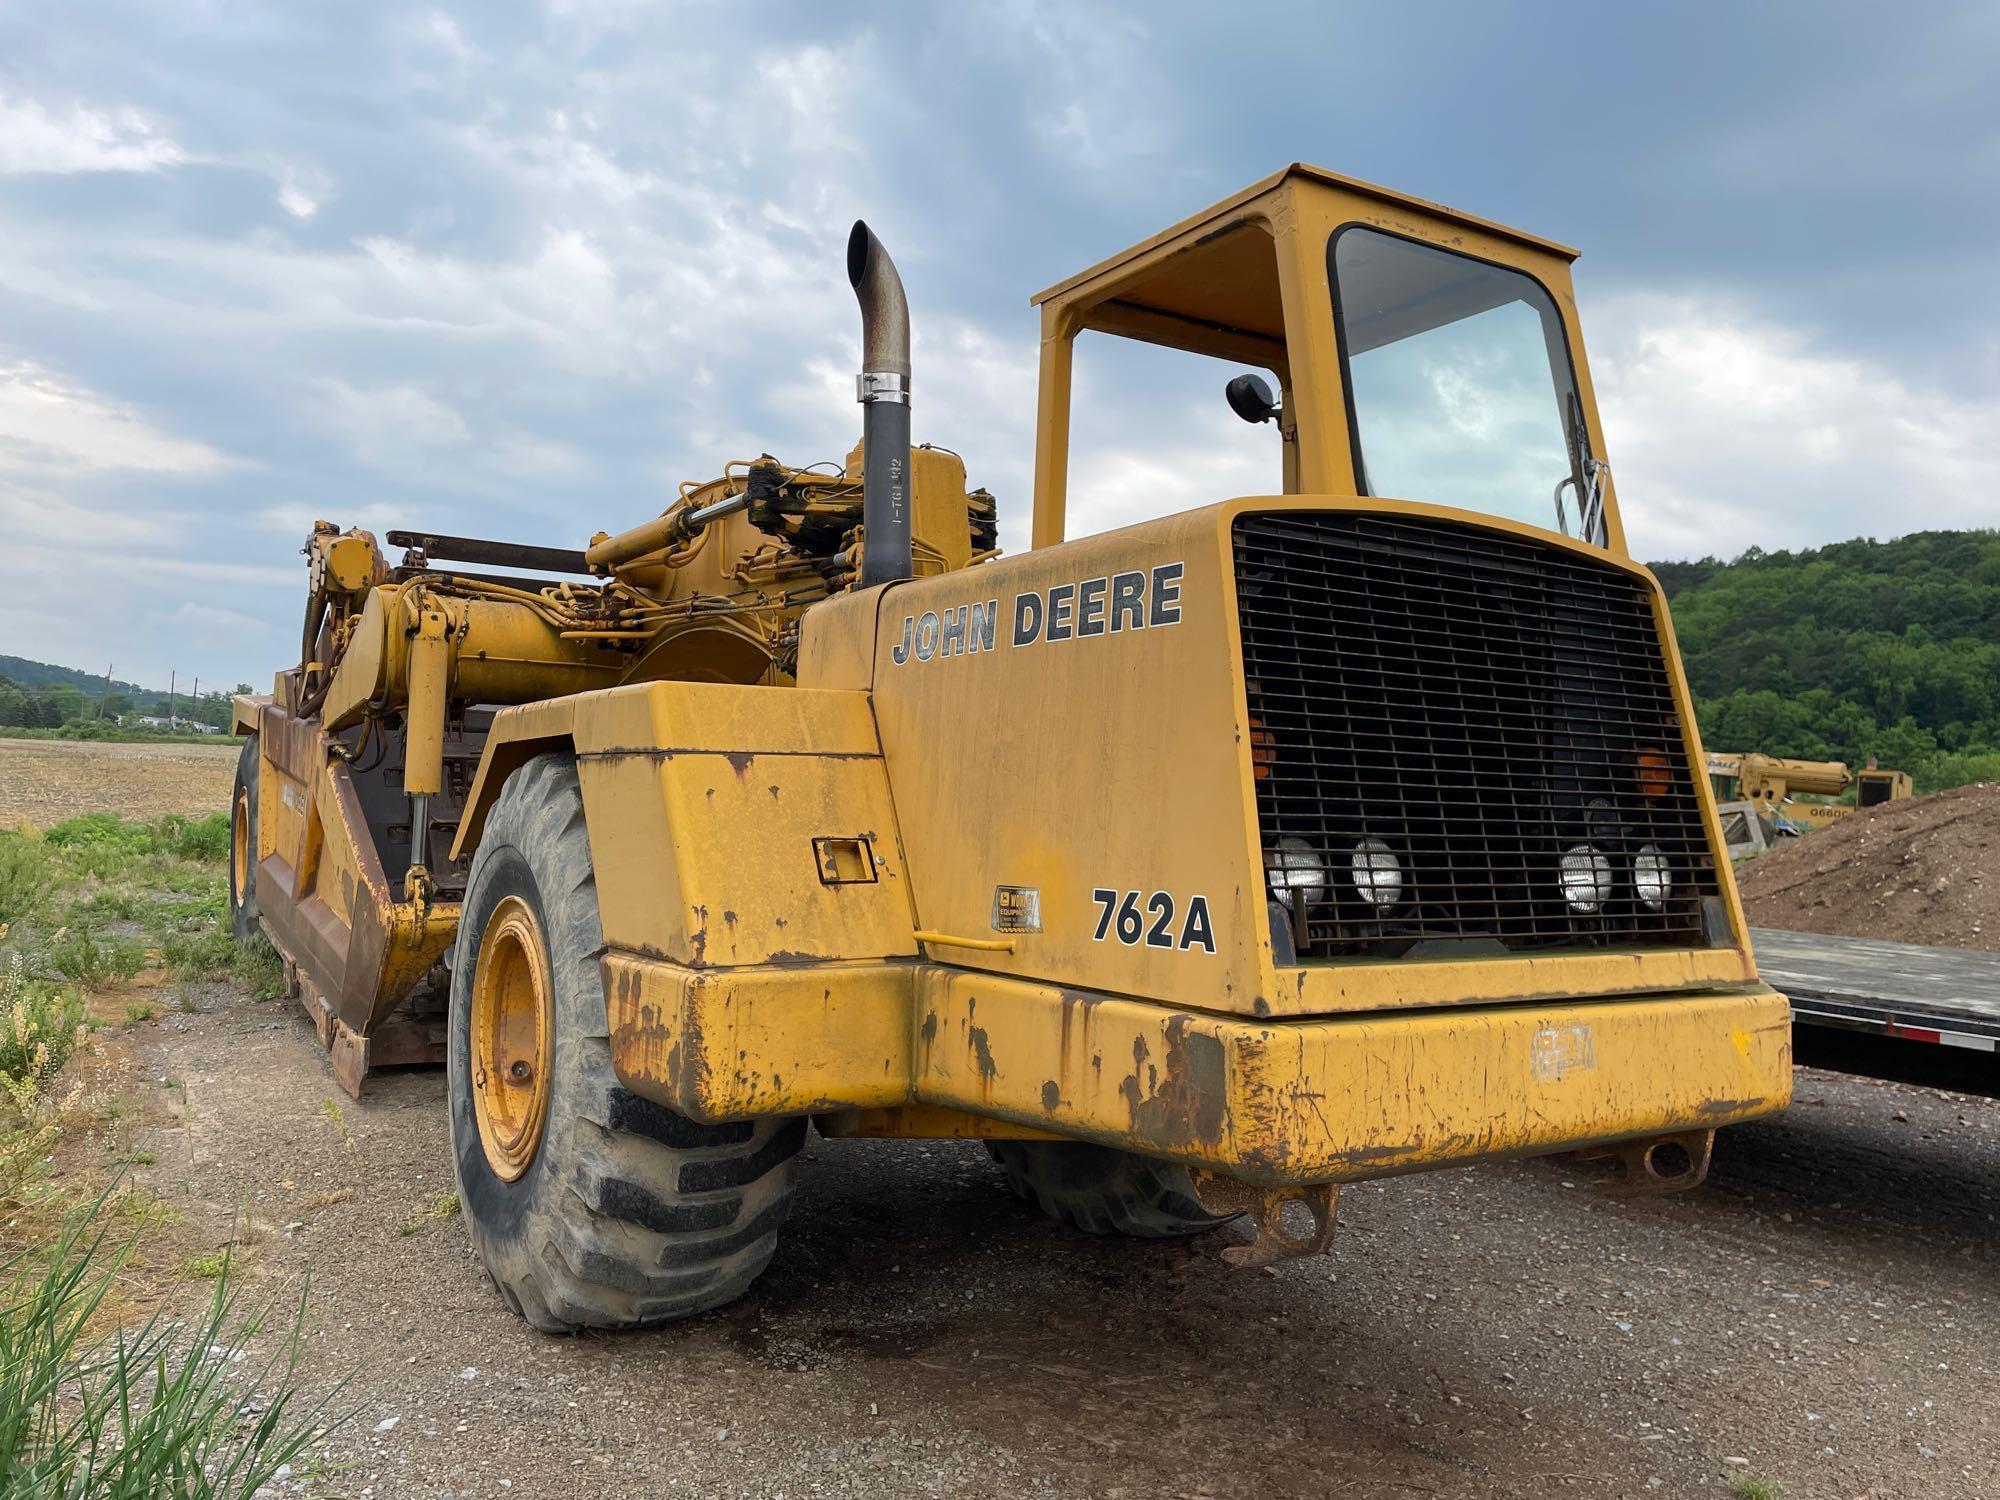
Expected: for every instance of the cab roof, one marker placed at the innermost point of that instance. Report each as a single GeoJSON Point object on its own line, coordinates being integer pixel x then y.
{"type": "Point", "coordinates": [1210, 284]}
{"type": "Point", "coordinates": [1226, 213]}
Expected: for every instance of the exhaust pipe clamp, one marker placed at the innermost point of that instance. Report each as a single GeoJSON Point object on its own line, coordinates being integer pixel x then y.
{"type": "Point", "coordinates": [882, 385]}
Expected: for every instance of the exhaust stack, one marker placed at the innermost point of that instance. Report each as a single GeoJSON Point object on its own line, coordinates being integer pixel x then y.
{"type": "Point", "coordinates": [883, 390]}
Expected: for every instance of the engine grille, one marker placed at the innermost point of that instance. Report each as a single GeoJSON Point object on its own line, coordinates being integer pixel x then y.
{"type": "Point", "coordinates": [1482, 705]}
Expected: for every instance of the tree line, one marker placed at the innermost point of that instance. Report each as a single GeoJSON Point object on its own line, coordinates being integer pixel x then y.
{"type": "Point", "coordinates": [63, 705]}
{"type": "Point", "coordinates": [1889, 649]}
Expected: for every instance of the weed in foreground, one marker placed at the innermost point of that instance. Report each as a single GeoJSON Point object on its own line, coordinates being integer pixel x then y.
{"type": "Point", "coordinates": [211, 953]}
{"type": "Point", "coordinates": [82, 957]}
{"type": "Point", "coordinates": [443, 1206]}
{"type": "Point", "coordinates": [24, 876]}
{"type": "Point", "coordinates": [169, 1408]}
{"type": "Point", "coordinates": [338, 1121]}
{"type": "Point", "coordinates": [41, 1025]}
{"type": "Point", "coordinates": [1747, 1488]}
{"type": "Point", "coordinates": [187, 838]}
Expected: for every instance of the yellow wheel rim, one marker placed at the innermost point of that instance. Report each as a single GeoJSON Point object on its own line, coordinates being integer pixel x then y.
{"type": "Point", "coordinates": [239, 845]}
{"type": "Point", "coordinates": [511, 1038]}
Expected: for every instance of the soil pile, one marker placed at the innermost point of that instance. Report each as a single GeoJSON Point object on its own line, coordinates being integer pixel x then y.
{"type": "Point", "coordinates": [1922, 871]}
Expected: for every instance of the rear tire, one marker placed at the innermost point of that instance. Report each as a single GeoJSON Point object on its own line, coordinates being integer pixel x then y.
{"type": "Point", "coordinates": [243, 914]}
{"type": "Point", "coordinates": [1103, 1191]}
{"type": "Point", "coordinates": [625, 1213]}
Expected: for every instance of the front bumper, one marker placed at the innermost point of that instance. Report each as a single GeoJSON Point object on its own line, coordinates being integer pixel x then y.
{"type": "Point", "coordinates": [1273, 1102]}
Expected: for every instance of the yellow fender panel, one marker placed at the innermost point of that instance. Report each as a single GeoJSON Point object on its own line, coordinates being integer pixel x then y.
{"type": "Point", "coordinates": [728, 825]}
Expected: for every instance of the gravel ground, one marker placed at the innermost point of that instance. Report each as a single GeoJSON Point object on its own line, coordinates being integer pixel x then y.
{"type": "Point", "coordinates": [1825, 1313]}
{"type": "Point", "coordinates": [44, 781]}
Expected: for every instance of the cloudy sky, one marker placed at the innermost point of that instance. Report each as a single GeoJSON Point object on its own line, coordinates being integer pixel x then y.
{"type": "Point", "coordinates": [517, 269]}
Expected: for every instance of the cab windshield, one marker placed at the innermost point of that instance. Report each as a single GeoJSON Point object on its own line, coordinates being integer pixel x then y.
{"type": "Point", "coordinates": [1459, 384]}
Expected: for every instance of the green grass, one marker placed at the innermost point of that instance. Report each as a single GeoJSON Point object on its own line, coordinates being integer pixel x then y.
{"type": "Point", "coordinates": [211, 953]}
{"type": "Point", "coordinates": [75, 892]}
{"type": "Point", "coordinates": [24, 877]}
{"type": "Point", "coordinates": [208, 1267]}
{"type": "Point", "coordinates": [84, 959]}
{"type": "Point", "coordinates": [156, 1410]}
{"type": "Point", "coordinates": [205, 838]}
{"type": "Point", "coordinates": [1747, 1488]}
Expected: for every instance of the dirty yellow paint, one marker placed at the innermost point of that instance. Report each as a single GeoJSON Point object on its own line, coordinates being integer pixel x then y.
{"type": "Point", "coordinates": [737, 1043]}
{"type": "Point", "coordinates": [702, 803]}
{"type": "Point", "coordinates": [1274, 1102]}
{"type": "Point", "coordinates": [1364, 1096]}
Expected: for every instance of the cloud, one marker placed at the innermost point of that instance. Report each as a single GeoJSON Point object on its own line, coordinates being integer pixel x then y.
{"type": "Point", "coordinates": [295, 200]}
{"type": "Point", "coordinates": [209, 623]}
{"type": "Point", "coordinates": [515, 271]}
{"type": "Point", "coordinates": [392, 426]}
{"type": "Point", "coordinates": [33, 514]}
{"type": "Point", "coordinates": [1092, 99]}
{"type": "Point", "coordinates": [34, 138]}
{"type": "Point", "coordinates": [1728, 430]}
{"type": "Point", "coordinates": [52, 426]}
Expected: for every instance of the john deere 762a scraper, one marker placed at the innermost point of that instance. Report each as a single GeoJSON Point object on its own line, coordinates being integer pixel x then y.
{"type": "Point", "coordinates": [1353, 829]}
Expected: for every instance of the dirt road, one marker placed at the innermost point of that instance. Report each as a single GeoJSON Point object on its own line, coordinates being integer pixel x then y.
{"type": "Point", "coordinates": [1826, 1313]}
{"type": "Point", "coordinates": [44, 781]}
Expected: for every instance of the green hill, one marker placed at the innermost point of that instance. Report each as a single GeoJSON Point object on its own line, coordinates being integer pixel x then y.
{"type": "Point", "coordinates": [1861, 648]}
{"type": "Point", "coordinates": [39, 696]}
{"type": "Point", "coordinates": [36, 675]}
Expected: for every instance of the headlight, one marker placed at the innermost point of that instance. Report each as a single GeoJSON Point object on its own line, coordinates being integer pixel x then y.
{"type": "Point", "coordinates": [1651, 877]}
{"type": "Point", "coordinates": [1295, 871]}
{"type": "Point", "coordinates": [1586, 879]}
{"type": "Point", "coordinates": [1378, 874]}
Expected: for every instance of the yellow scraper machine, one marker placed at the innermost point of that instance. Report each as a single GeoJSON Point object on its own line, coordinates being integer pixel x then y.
{"type": "Point", "coordinates": [1197, 867]}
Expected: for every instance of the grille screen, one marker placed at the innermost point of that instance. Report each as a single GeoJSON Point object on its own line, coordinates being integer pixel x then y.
{"type": "Point", "coordinates": [1474, 729]}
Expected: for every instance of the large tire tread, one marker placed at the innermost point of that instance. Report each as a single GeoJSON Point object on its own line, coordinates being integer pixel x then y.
{"type": "Point", "coordinates": [245, 920]}
{"type": "Point", "coordinates": [629, 1214]}
{"type": "Point", "coordinates": [1104, 1191]}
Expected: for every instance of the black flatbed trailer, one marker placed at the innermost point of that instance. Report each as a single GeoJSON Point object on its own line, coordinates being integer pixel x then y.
{"type": "Point", "coordinates": [1889, 1010]}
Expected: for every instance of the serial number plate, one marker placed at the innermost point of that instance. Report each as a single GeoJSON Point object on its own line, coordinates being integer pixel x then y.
{"type": "Point", "coordinates": [1017, 908]}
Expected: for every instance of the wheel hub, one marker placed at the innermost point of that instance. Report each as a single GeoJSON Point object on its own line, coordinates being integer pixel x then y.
{"type": "Point", "coordinates": [511, 1038]}
{"type": "Point", "coordinates": [239, 846]}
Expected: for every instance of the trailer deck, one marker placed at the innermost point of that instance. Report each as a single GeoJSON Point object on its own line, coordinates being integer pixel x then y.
{"type": "Point", "coordinates": [1874, 1007]}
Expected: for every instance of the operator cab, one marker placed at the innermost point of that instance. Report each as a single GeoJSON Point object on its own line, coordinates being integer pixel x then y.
{"type": "Point", "coordinates": [1420, 354]}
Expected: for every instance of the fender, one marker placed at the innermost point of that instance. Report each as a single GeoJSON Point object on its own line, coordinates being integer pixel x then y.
{"type": "Point", "coordinates": [729, 825]}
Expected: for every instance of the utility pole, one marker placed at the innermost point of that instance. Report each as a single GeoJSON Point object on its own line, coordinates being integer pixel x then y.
{"type": "Point", "coordinates": [107, 688]}
{"type": "Point", "coordinates": [173, 682]}
{"type": "Point", "coordinates": [194, 703]}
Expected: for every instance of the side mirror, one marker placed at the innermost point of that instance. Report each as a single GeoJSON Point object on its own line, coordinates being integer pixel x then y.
{"type": "Point", "coordinates": [1251, 399]}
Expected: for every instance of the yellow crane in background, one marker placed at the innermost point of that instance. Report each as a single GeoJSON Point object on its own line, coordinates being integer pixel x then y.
{"type": "Point", "coordinates": [1768, 784]}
